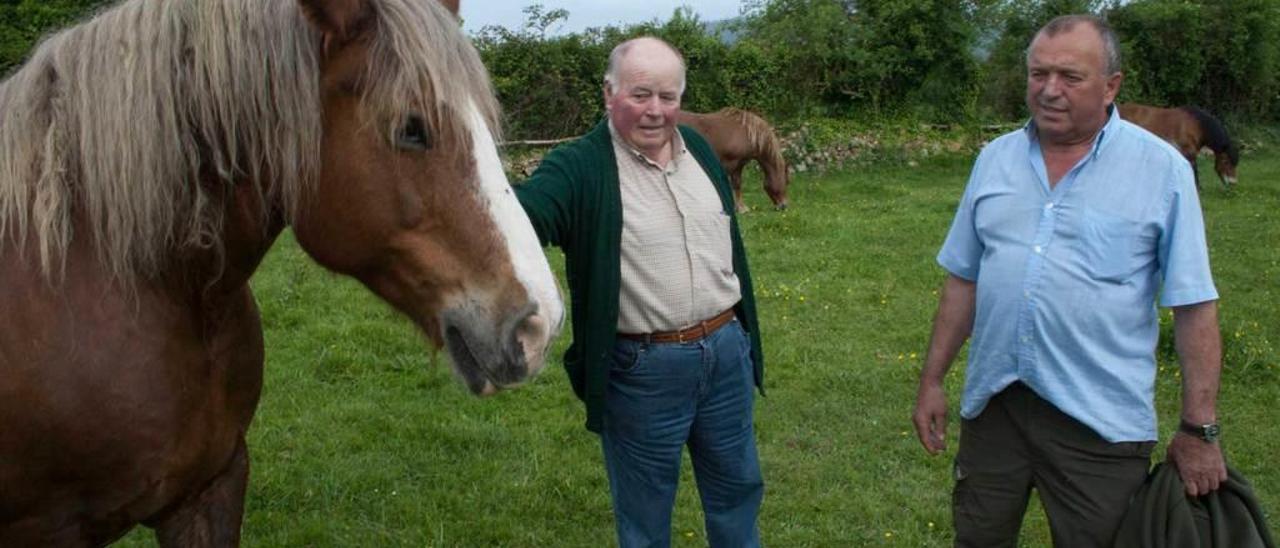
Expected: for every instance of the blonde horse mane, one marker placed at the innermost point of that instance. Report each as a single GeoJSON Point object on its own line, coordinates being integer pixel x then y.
{"type": "Point", "coordinates": [133, 128]}
{"type": "Point", "coordinates": [764, 141]}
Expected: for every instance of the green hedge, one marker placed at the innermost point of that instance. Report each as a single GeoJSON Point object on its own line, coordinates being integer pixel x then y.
{"type": "Point", "coordinates": [935, 61]}
{"type": "Point", "coordinates": [1222, 54]}
{"type": "Point", "coordinates": [931, 61]}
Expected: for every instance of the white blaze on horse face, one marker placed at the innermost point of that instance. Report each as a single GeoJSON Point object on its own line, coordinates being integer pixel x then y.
{"type": "Point", "coordinates": [527, 259]}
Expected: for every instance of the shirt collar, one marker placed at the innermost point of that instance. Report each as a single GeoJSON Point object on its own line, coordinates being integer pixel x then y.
{"type": "Point", "coordinates": [677, 147]}
{"type": "Point", "coordinates": [1109, 128]}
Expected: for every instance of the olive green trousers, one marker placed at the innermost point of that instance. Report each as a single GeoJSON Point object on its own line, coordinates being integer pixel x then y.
{"type": "Point", "coordinates": [1020, 442]}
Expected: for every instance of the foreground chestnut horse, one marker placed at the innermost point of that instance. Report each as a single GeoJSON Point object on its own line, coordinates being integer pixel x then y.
{"type": "Point", "coordinates": [1189, 129]}
{"type": "Point", "coordinates": [148, 160]}
{"type": "Point", "coordinates": [738, 137]}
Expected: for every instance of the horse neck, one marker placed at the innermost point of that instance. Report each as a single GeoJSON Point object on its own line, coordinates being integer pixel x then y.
{"type": "Point", "coordinates": [248, 231]}
{"type": "Point", "coordinates": [770, 157]}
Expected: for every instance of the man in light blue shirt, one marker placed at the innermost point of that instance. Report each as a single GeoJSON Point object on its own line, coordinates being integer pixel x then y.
{"type": "Point", "coordinates": [1069, 232]}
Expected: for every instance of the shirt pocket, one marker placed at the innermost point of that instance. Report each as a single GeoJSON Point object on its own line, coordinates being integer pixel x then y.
{"type": "Point", "coordinates": [722, 236]}
{"type": "Point", "coordinates": [710, 242]}
{"type": "Point", "coordinates": [1110, 245]}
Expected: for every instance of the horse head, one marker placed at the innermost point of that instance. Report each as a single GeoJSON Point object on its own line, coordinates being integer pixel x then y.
{"type": "Point", "coordinates": [776, 180]}
{"type": "Point", "coordinates": [776, 175]}
{"type": "Point", "coordinates": [1225, 167]}
{"type": "Point", "coordinates": [410, 197]}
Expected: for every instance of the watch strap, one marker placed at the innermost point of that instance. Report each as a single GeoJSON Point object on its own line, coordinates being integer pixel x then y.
{"type": "Point", "coordinates": [1206, 432]}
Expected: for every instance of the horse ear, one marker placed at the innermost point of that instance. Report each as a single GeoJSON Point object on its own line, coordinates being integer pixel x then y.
{"type": "Point", "coordinates": [452, 5]}
{"type": "Point", "coordinates": [339, 20]}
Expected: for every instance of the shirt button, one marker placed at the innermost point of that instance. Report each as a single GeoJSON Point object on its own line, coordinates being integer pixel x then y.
{"type": "Point", "coordinates": [1026, 294]}
{"type": "Point", "coordinates": [1037, 249]}
{"type": "Point", "coordinates": [1023, 339]}
{"type": "Point", "coordinates": [1049, 205]}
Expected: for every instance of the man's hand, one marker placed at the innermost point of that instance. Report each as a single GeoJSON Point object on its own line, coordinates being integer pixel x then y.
{"type": "Point", "coordinates": [951, 326]}
{"type": "Point", "coordinates": [1199, 463]}
{"type": "Point", "coordinates": [930, 416]}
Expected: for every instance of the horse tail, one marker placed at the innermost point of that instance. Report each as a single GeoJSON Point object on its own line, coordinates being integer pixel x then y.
{"type": "Point", "coordinates": [1215, 134]}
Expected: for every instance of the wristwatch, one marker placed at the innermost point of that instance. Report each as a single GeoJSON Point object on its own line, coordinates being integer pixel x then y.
{"type": "Point", "coordinates": [1206, 432]}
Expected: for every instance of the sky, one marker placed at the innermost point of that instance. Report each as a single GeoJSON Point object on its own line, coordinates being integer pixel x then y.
{"type": "Point", "coordinates": [589, 13]}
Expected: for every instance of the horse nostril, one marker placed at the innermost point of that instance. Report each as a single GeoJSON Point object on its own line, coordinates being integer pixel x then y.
{"type": "Point", "coordinates": [529, 339]}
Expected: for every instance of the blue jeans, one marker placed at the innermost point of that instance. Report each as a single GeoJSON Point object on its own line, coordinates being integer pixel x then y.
{"type": "Point", "coordinates": [662, 397]}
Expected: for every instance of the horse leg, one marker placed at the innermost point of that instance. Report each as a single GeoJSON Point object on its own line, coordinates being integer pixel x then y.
{"type": "Point", "coordinates": [735, 180]}
{"type": "Point", "coordinates": [1195, 170]}
{"type": "Point", "coordinates": [212, 517]}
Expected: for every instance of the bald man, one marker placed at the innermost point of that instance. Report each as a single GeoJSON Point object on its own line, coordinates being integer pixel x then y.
{"type": "Point", "coordinates": [666, 345]}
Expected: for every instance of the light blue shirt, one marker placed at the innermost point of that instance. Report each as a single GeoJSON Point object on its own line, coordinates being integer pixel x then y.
{"type": "Point", "coordinates": [1067, 278]}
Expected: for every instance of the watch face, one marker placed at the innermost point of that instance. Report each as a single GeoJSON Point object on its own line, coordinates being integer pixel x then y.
{"type": "Point", "coordinates": [1210, 432]}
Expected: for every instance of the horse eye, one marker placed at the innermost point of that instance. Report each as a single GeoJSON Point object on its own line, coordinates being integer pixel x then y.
{"type": "Point", "coordinates": [414, 135]}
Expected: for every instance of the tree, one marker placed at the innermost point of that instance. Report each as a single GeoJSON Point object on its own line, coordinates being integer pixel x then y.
{"type": "Point", "coordinates": [1222, 55]}
{"type": "Point", "coordinates": [814, 44]}
{"type": "Point", "coordinates": [549, 86]}
{"type": "Point", "coordinates": [1004, 73]}
{"type": "Point", "coordinates": [918, 56]}
{"type": "Point", "coordinates": [1164, 54]}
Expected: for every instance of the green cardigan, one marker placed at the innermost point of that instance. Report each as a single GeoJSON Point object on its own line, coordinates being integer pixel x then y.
{"type": "Point", "coordinates": [574, 203]}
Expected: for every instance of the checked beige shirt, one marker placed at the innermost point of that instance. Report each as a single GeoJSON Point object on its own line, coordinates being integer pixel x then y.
{"type": "Point", "coordinates": [677, 256]}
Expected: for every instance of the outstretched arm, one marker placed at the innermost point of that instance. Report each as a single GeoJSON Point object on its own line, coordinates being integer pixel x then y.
{"type": "Point", "coordinates": [1199, 346]}
{"type": "Point", "coordinates": [547, 198]}
{"type": "Point", "coordinates": [951, 327]}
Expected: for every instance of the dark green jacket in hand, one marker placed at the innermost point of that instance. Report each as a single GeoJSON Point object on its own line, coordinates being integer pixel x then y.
{"type": "Point", "coordinates": [1161, 515]}
{"type": "Point", "coordinates": [574, 203]}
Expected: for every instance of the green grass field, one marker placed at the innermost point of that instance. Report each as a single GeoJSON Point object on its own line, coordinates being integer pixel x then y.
{"type": "Point", "coordinates": [364, 438]}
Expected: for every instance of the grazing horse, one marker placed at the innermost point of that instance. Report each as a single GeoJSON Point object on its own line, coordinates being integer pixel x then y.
{"type": "Point", "coordinates": [148, 159]}
{"type": "Point", "coordinates": [1189, 129]}
{"type": "Point", "coordinates": [739, 136]}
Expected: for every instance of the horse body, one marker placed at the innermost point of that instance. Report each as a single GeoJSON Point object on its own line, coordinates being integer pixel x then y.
{"type": "Point", "coordinates": [142, 419]}
{"type": "Point", "coordinates": [1188, 129]}
{"type": "Point", "coordinates": [738, 137]}
{"type": "Point", "coordinates": [132, 367]}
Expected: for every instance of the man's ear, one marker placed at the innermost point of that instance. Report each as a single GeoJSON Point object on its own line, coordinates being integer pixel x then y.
{"type": "Point", "coordinates": [340, 21]}
{"type": "Point", "coordinates": [1113, 86]}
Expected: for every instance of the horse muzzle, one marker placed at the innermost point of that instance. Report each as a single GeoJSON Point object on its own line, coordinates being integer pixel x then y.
{"type": "Point", "coordinates": [494, 355]}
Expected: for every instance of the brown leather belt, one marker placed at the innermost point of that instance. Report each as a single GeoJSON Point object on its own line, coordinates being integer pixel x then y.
{"type": "Point", "coordinates": [688, 334]}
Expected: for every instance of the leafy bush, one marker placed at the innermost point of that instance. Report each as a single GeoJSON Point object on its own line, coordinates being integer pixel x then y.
{"type": "Point", "coordinates": [1164, 54]}
{"type": "Point", "coordinates": [549, 86]}
{"type": "Point", "coordinates": [871, 61]}
{"type": "Point", "coordinates": [1012, 23]}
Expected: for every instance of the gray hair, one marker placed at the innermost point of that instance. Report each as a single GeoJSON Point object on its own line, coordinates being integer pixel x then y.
{"type": "Point", "coordinates": [621, 50]}
{"type": "Point", "coordinates": [1110, 43]}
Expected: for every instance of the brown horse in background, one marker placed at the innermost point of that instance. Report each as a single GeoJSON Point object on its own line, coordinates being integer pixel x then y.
{"type": "Point", "coordinates": [739, 136]}
{"type": "Point", "coordinates": [1189, 129]}
{"type": "Point", "coordinates": [148, 160]}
